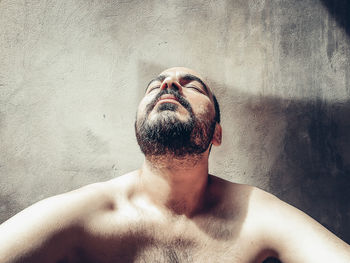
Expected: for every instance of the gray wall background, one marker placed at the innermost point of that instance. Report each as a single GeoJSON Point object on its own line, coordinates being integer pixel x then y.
{"type": "Point", "coordinates": [72, 74]}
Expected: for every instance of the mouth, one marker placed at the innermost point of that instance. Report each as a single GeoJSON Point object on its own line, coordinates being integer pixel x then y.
{"type": "Point", "coordinates": [168, 98]}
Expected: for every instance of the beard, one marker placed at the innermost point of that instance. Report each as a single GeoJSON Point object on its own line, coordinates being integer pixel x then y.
{"type": "Point", "coordinates": [167, 135]}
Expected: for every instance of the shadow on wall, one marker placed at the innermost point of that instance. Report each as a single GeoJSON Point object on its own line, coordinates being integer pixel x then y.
{"type": "Point", "coordinates": [340, 10]}
{"type": "Point", "coordinates": [311, 170]}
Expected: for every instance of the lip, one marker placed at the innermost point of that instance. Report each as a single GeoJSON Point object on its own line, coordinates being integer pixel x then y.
{"type": "Point", "coordinates": [167, 98]}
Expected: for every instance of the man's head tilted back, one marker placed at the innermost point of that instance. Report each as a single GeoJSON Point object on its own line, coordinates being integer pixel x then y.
{"type": "Point", "coordinates": [179, 116]}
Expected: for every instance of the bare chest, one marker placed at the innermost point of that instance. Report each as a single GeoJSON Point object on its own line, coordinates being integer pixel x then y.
{"type": "Point", "coordinates": [190, 252]}
{"type": "Point", "coordinates": [202, 241]}
{"type": "Point", "coordinates": [181, 250]}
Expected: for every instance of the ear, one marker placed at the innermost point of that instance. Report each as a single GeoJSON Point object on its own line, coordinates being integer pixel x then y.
{"type": "Point", "coordinates": [217, 135]}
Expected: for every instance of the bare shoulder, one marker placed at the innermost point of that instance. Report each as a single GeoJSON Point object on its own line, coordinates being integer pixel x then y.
{"type": "Point", "coordinates": [73, 206]}
{"type": "Point", "coordinates": [275, 226]}
{"type": "Point", "coordinates": [100, 197]}
{"type": "Point", "coordinates": [54, 225]}
{"type": "Point", "coordinates": [291, 233]}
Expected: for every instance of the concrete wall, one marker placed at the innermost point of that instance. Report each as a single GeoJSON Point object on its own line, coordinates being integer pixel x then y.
{"type": "Point", "coordinates": [72, 74]}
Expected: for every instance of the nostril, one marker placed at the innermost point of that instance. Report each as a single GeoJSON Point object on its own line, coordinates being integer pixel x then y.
{"type": "Point", "coordinates": [164, 86]}
{"type": "Point", "coordinates": [174, 86]}
{"type": "Point", "coordinates": [169, 84]}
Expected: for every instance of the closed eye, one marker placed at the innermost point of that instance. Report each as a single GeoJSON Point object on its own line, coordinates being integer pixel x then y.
{"type": "Point", "coordinates": [194, 88]}
{"type": "Point", "coordinates": [153, 88]}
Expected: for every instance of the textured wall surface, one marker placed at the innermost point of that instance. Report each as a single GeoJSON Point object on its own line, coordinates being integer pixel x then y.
{"type": "Point", "coordinates": [72, 74]}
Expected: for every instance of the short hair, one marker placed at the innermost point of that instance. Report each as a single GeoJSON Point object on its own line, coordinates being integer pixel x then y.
{"type": "Point", "coordinates": [217, 109]}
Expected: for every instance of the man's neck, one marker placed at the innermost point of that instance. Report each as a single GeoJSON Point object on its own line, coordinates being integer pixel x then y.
{"type": "Point", "coordinates": [177, 184]}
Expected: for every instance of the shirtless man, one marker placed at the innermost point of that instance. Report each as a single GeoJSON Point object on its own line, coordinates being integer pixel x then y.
{"type": "Point", "coordinates": [171, 210]}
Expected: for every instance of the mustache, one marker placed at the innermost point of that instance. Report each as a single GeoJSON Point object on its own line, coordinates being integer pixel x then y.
{"type": "Point", "coordinates": [173, 92]}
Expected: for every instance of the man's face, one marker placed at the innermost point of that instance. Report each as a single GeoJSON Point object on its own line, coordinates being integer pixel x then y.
{"type": "Point", "coordinates": [176, 115]}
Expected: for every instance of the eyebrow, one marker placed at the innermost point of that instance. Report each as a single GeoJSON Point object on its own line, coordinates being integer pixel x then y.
{"type": "Point", "coordinates": [185, 77]}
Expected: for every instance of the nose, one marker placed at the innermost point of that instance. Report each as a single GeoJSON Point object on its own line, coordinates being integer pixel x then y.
{"type": "Point", "coordinates": [171, 83]}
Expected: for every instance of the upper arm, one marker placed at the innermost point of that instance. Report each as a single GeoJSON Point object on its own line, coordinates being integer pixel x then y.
{"type": "Point", "coordinates": [45, 230]}
{"type": "Point", "coordinates": [296, 237]}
